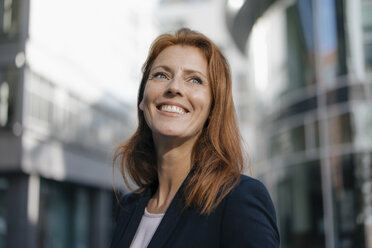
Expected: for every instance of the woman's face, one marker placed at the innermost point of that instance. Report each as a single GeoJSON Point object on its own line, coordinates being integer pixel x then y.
{"type": "Point", "coordinates": [177, 96]}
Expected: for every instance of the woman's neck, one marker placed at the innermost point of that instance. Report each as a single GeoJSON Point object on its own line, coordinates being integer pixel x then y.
{"type": "Point", "coordinates": [174, 164]}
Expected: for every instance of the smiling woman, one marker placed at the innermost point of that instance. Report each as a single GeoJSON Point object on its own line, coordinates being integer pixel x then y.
{"type": "Point", "coordinates": [176, 101]}
{"type": "Point", "coordinates": [186, 156]}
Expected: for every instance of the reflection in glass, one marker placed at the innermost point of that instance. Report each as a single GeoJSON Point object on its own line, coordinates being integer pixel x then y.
{"type": "Point", "coordinates": [340, 131]}
{"type": "Point", "coordinates": [367, 32]}
{"type": "Point", "coordinates": [300, 208]}
{"type": "Point", "coordinates": [289, 141]}
{"type": "Point", "coordinates": [64, 218]}
{"type": "Point", "coordinates": [363, 125]}
{"type": "Point", "coordinates": [299, 49]}
{"type": "Point", "coordinates": [347, 202]}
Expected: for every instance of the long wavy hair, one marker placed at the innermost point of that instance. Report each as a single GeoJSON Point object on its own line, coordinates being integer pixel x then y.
{"type": "Point", "coordinates": [217, 154]}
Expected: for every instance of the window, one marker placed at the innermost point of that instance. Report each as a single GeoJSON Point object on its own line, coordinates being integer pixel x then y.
{"type": "Point", "coordinates": [300, 208]}
{"type": "Point", "coordinates": [347, 201]}
{"type": "Point", "coordinates": [298, 59]}
{"type": "Point", "coordinates": [8, 90]}
{"type": "Point", "coordinates": [340, 131]}
{"type": "Point", "coordinates": [53, 111]}
{"type": "Point", "coordinates": [64, 219]}
{"type": "Point", "coordinates": [9, 19]}
{"type": "Point", "coordinates": [4, 103]}
{"type": "Point", "coordinates": [363, 125]}
{"type": "Point", "coordinates": [289, 141]}
{"type": "Point", "coordinates": [367, 33]}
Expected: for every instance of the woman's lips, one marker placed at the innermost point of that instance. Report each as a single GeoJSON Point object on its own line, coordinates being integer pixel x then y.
{"type": "Point", "coordinates": [172, 107]}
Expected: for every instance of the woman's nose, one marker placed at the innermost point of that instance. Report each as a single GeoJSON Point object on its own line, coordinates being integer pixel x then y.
{"type": "Point", "coordinates": [175, 86]}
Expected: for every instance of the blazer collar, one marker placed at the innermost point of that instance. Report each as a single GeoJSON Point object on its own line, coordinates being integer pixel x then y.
{"type": "Point", "coordinates": [135, 219]}
{"type": "Point", "coordinates": [166, 226]}
{"type": "Point", "coordinates": [169, 221]}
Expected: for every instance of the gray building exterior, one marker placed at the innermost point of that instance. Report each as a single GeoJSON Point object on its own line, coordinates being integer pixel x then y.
{"type": "Point", "coordinates": [312, 68]}
{"type": "Point", "coordinates": [55, 151]}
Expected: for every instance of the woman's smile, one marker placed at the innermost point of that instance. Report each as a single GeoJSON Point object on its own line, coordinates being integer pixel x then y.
{"type": "Point", "coordinates": [169, 107]}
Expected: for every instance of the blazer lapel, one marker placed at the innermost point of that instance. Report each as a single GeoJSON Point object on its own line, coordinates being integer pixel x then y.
{"type": "Point", "coordinates": [169, 221]}
{"type": "Point", "coordinates": [135, 219]}
{"type": "Point", "coordinates": [166, 226]}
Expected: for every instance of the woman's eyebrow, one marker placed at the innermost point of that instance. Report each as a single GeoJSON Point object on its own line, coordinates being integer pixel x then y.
{"type": "Point", "coordinates": [167, 68]}
{"type": "Point", "coordinates": [194, 71]}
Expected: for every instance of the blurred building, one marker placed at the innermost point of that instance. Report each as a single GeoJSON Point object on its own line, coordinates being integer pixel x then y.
{"type": "Point", "coordinates": [302, 73]}
{"type": "Point", "coordinates": [311, 64]}
{"type": "Point", "coordinates": [61, 115]}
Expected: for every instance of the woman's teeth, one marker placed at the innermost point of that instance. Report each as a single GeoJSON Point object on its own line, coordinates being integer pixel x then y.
{"type": "Point", "coordinates": [172, 109]}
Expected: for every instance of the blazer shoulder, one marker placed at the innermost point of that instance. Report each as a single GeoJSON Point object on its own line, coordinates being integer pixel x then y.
{"type": "Point", "coordinates": [250, 186]}
{"type": "Point", "coordinates": [249, 216]}
{"type": "Point", "coordinates": [251, 192]}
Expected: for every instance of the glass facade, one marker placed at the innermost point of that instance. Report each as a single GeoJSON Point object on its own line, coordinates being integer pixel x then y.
{"type": "Point", "coordinates": [300, 63]}
{"type": "Point", "coordinates": [69, 213]}
{"type": "Point", "coordinates": [299, 208]}
{"type": "Point", "coordinates": [64, 215]}
{"type": "Point", "coordinates": [348, 204]}
{"type": "Point", "coordinates": [314, 122]}
{"type": "Point", "coordinates": [367, 33]}
{"type": "Point", "coordinates": [37, 118]}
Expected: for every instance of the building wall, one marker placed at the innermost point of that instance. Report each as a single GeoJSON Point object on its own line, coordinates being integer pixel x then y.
{"type": "Point", "coordinates": [68, 77]}
{"type": "Point", "coordinates": [313, 119]}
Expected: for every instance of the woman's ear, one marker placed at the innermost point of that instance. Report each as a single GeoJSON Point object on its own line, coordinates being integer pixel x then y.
{"type": "Point", "coordinates": [141, 105]}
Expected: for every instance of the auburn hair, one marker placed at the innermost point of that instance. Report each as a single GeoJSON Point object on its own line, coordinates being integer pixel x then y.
{"type": "Point", "coordinates": [217, 154]}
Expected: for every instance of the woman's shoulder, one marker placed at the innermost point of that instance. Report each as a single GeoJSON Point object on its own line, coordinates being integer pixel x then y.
{"type": "Point", "coordinates": [250, 193]}
{"type": "Point", "coordinates": [249, 186]}
{"type": "Point", "coordinates": [249, 215]}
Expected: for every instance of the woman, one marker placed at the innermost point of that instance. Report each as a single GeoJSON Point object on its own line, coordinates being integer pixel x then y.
{"type": "Point", "coordinates": [186, 157]}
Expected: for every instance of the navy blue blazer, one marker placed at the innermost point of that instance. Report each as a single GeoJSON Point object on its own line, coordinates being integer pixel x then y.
{"type": "Point", "coordinates": [244, 218]}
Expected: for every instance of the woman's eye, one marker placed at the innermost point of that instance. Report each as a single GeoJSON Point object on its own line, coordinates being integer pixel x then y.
{"type": "Point", "coordinates": [159, 75]}
{"type": "Point", "coordinates": [196, 80]}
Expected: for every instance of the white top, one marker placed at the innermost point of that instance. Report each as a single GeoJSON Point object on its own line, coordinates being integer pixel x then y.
{"type": "Point", "coordinates": [146, 229]}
